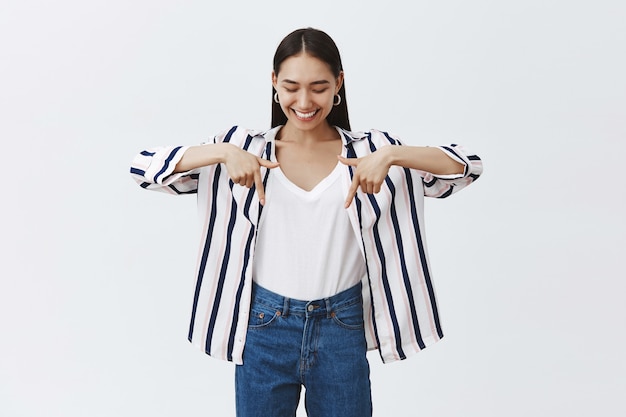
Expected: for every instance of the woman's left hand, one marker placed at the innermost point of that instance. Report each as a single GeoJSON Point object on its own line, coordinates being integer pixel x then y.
{"type": "Point", "coordinates": [370, 172]}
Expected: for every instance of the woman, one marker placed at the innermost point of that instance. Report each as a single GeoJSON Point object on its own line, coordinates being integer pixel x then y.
{"type": "Point", "coordinates": [312, 245]}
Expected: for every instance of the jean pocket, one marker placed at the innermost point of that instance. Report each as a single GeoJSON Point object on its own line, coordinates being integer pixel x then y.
{"type": "Point", "coordinates": [350, 318]}
{"type": "Point", "coordinates": [262, 316]}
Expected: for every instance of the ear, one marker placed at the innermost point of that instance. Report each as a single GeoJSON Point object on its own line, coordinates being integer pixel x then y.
{"type": "Point", "coordinates": [274, 80]}
{"type": "Point", "coordinates": [339, 82]}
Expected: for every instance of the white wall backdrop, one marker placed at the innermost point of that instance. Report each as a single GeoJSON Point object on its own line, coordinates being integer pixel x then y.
{"type": "Point", "coordinates": [96, 275]}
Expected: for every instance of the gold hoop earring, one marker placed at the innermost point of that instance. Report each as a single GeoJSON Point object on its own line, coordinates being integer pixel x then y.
{"type": "Point", "coordinates": [276, 98]}
{"type": "Point", "coordinates": [337, 101]}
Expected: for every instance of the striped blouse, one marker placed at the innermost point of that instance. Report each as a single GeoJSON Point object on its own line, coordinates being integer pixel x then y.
{"type": "Point", "coordinates": [400, 306]}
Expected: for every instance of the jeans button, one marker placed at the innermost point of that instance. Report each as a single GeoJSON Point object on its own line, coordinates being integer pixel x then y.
{"type": "Point", "coordinates": [310, 307]}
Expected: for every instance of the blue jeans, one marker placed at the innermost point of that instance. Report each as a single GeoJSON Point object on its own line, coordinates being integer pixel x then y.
{"type": "Point", "coordinates": [316, 344]}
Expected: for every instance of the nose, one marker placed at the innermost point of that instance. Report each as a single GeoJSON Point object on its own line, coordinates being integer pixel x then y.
{"type": "Point", "coordinates": [304, 99]}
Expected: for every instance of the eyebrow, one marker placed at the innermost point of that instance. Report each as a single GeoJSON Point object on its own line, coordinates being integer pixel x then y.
{"type": "Point", "coordinates": [313, 83]}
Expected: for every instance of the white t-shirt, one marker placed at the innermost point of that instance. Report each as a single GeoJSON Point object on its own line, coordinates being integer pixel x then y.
{"type": "Point", "coordinates": [306, 247]}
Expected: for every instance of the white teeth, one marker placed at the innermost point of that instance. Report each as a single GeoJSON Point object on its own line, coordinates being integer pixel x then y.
{"type": "Point", "coordinates": [305, 115]}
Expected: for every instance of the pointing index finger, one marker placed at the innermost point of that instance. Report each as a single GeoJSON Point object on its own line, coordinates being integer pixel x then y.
{"type": "Point", "coordinates": [258, 182]}
{"type": "Point", "coordinates": [352, 191]}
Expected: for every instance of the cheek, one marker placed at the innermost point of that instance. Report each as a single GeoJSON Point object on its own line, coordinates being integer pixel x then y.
{"type": "Point", "coordinates": [329, 101]}
{"type": "Point", "coordinates": [284, 102]}
{"type": "Point", "coordinates": [286, 105]}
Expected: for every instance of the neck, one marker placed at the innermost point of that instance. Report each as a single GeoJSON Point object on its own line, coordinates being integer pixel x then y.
{"type": "Point", "coordinates": [322, 133]}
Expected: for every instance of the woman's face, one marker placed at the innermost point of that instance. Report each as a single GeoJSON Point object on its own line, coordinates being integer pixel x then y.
{"type": "Point", "coordinates": [306, 89]}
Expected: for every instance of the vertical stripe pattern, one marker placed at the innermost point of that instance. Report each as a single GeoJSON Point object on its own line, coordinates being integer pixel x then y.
{"type": "Point", "coordinates": [399, 296]}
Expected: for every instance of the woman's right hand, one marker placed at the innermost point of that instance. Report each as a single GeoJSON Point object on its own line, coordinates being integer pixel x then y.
{"type": "Point", "coordinates": [244, 168]}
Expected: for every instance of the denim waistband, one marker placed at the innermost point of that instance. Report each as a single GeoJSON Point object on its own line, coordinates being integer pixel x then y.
{"type": "Point", "coordinates": [324, 306]}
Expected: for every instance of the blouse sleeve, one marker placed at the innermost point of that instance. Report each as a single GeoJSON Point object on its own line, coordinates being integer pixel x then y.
{"type": "Point", "coordinates": [441, 186]}
{"type": "Point", "coordinates": [153, 169]}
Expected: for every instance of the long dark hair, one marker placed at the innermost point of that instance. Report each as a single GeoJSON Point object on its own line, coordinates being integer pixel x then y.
{"type": "Point", "coordinates": [318, 44]}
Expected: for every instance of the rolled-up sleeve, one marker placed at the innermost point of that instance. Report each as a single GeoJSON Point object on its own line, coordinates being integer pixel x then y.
{"type": "Point", "coordinates": [153, 169]}
{"type": "Point", "coordinates": [441, 186]}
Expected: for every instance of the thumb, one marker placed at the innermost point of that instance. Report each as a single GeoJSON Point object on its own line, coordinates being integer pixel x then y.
{"type": "Point", "coordinates": [348, 161]}
{"type": "Point", "coordinates": [266, 163]}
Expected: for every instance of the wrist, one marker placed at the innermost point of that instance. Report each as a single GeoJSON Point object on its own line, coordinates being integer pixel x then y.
{"type": "Point", "coordinates": [392, 155]}
{"type": "Point", "coordinates": [224, 150]}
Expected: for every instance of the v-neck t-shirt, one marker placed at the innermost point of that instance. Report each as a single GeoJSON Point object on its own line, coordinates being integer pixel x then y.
{"type": "Point", "coordinates": [306, 247]}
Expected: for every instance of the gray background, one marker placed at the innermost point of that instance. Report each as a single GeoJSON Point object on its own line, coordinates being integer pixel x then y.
{"type": "Point", "coordinates": [96, 275]}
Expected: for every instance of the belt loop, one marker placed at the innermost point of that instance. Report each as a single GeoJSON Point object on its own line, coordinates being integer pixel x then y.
{"type": "Point", "coordinates": [328, 307]}
{"type": "Point", "coordinates": [285, 306]}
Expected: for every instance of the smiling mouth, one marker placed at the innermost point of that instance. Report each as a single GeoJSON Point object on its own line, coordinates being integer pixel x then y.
{"type": "Point", "coordinates": [305, 116]}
